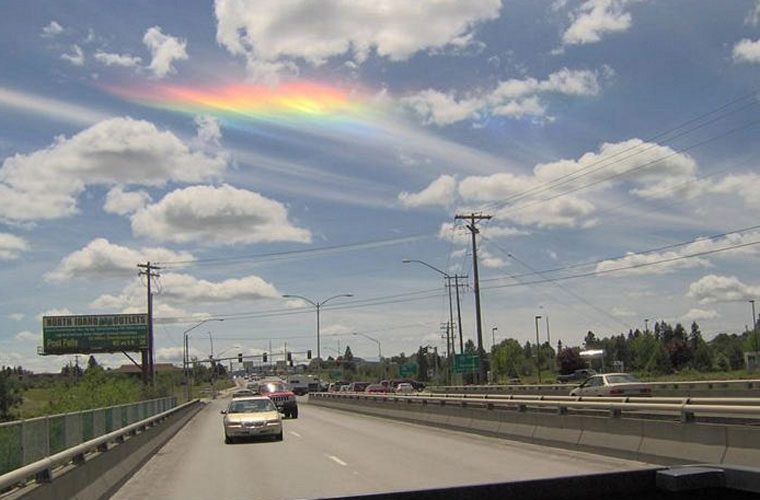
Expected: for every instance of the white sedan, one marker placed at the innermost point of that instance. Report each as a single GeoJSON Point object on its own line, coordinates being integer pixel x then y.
{"type": "Point", "coordinates": [405, 388]}
{"type": "Point", "coordinates": [612, 384]}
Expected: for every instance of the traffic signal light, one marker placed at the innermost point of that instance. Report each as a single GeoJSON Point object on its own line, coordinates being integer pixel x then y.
{"type": "Point", "coordinates": [240, 357]}
{"type": "Point", "coordinates": [290, 358]}
{"type": "Point", "coordinates": [308, 354]}
{"type": "Point", "coordinates": [264, 358]}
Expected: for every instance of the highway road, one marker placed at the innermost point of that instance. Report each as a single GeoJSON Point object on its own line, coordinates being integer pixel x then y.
{"type": "Point", "coordinates": [332, 453]}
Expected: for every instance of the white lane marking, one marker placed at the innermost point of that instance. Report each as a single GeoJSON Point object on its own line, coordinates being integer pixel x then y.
{"type": "Point", "coordinates": [294, 433]}
{"type": "Point", "coordinates": [336, 460]}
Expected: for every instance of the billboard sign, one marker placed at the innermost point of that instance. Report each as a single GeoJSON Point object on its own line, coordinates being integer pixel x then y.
{"type": "Point", "coordinates": [98, 333]}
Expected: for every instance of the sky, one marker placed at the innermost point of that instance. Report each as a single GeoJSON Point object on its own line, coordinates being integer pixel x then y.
{"type": "Point", "coordinates": [255, 149]}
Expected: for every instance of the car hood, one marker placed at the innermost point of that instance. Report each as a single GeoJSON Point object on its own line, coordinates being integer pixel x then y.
{"type": "Point", "coordinates": [236, 418]}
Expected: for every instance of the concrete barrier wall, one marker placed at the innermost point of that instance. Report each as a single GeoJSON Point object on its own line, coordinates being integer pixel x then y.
{"type": "Point", "coordinates": [655, 441]}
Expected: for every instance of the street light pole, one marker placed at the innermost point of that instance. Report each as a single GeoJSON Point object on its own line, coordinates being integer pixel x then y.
{"type": "Point", "coordinates": [186, 354]}
{"type": "Point", "coordinates": [318, 305]}
{"type": "Point", "coordinates": [754, 325]}
{"type": "Point", "coordinates": [646, 325]}
{"type": "Point", "coordinates": [538, 351]}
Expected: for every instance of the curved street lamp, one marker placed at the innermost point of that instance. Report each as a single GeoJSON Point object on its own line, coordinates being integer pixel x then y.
{"type": "Point", "coordinates": [451, 308]}
{"type": "Point", "coordinates": [186, 353]}
{"type": "Point", "coordinates": [318, 305]}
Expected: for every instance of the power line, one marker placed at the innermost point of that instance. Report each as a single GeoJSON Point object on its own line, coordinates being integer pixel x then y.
{"type": "Point", "coordinates": [605, 162]}
{"type": "Point", "coordinates": [273, 256]}
{"type": "Point", "coordinates": [518, 208]}
{"type": "Point", "coordinates": [643, 252]}
{"type": "Point", "coordinates": [560, 285]}
{"type": "Point", "coordinates": [634, 266]}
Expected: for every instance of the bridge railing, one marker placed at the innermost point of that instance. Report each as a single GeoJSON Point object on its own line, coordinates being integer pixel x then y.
{"type": "Point", "coordinates": [686, 408]}
{"type": "Point", "coordinates": [702, 388]}
{"type": "Point", "coordinates": [23, 442]}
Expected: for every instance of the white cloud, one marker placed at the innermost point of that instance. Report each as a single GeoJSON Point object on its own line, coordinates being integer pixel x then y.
{"type": "Point", "coordinates": [513, 98]}
{"type": "Point", "coordinates": [275, 35]}
{"type": "Point", "coordinates": [49, 108]}
{"type": "Point", "coordinates": [489, 260]}
{"type": "Point", "coordinates": [696, 314]}
{"type": "Point", "coordinates": [27, 336]}
{"type": "Point", "coordinates": [45, 184]}
{"type": "Point", "coordinates": [746, 186]}
{"type": "Point", "coordinates": [650, 169]}
{"type": "Point", "coordinates": [753, 17]}
{"type": "Point", "coordinates": [76, 57]}
{"type": "Point", "coordinates": [699, 245]}
{"type": "Point", "coordinates": [460, 235]}
{"type": "Point", "coordinates": [747, 51]}
{"type": "Point", "coordinates": [646, 260]}
{"type": "Point", "coordinates": [209, 131]}
{"type": "Point", "coordinates": [55, 312]}
{"type": "Point", "coordinates": [111, 59]}
{"type": "Point", "coordinates": [123, 203]}
{"type": "Point", "coordinates": [182, 289]}
{"type": "Point", "coordinates": [596, 18]}
{"type": "Point", "coordinates": [16, 316]}
{"type": "Point", "coordinates": [715, 288]}
{"type": "Point", "coordinates": [222, 215]}
{"type": "Point", "coordinates": [11, 246]}
{"type": "Point", "coordinates": [52, 29]}
{"type": "Point", "coordinates": [622, 312]}
{"type": "Point", "coordinates": [164, 49]}
{"type": "Point", "coordinates": [101, 258]}
{"type": "Point", "coordinates": [440, 192]}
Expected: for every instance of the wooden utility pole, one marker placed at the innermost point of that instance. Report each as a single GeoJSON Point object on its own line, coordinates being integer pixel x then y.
{"type": "Point", "coordinates": [473, 217]}
{"type": "Point", "coordinates": [148, 367]}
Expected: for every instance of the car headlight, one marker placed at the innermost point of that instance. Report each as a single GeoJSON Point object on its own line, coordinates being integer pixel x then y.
{"type": "Point", "coordinates": [233, 424]}
{"type": "Point", "coordinates": [274, 421]}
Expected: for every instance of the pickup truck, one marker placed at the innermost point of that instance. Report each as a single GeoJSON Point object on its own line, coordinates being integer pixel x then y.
{"type": "Point", "coordinates": [576, 376]}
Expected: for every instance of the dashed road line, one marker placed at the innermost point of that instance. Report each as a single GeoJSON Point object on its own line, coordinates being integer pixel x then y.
{"type": "Point", "coordinates": [294, 433]}
{"type": "Point", "coordinates": [336, 460]}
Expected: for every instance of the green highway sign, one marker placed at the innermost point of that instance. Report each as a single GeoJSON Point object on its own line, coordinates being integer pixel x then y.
{"type": "Point", "coordinates": [408, 370]}
{"type": "Point", "coordinates": [94, 333]}
{"type": "Point", "coordinates": [466, 363]}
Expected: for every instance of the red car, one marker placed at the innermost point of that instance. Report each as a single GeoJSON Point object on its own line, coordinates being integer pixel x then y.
{"type": "Point", "coordinates": [282, 397]}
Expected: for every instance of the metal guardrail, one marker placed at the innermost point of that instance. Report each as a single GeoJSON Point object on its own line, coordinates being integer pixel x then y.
{"type": "Point", "coordinates": [42, 469]}
{"type": "Point", "coordinates": [23, 442]}
{"type": "Point", "coordinates": [686, 408]}
{"type": "Point", "coordinates": [685, 385]}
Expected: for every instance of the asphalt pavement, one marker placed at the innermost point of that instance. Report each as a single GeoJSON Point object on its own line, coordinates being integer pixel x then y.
{"type": "Point", "coordinates": [328, 453]}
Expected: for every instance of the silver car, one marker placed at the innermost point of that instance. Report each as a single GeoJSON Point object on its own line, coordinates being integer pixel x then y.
{"type": "Point", "coordinates": [249, 417]}
{"type": "Point", "coordinates": [612, 384]}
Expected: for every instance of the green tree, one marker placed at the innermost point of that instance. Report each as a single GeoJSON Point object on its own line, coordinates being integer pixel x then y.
{"type": "Point", "coordinates": [569, 360]}
{"type": "Point", "coordinates": [507, 358]}
{"type": "Point", "coordinates": [422, 364]}
{"type": "Point", "coordinates": [10, 395]}
{"type": "Point", "coordinates": [730, 347]}
{"type": "Point", "coordinates": [469, 347]}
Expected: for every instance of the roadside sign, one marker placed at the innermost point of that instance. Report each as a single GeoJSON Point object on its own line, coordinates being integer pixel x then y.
{"type": "Point", "coordinates": [97, 333]}
{"type": "Point", "coordinates": [408, 370]}
{"type": "Point", "coordinates": [466, 363]}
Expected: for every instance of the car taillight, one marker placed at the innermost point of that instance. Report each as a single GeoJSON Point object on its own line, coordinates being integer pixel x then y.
{"type": "Point", "coordinates": [616, 392]}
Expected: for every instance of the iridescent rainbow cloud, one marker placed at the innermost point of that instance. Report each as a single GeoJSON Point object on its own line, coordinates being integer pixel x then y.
{"type": "Point", "coordinates": [285, 104]}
